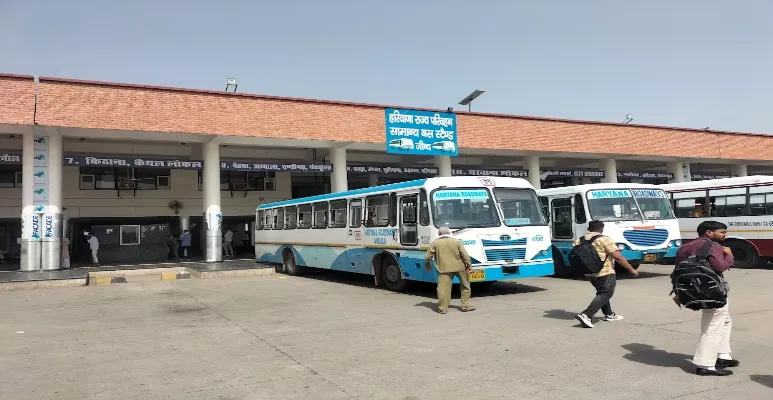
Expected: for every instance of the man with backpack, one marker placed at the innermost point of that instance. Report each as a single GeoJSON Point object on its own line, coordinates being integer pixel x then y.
{"type": "Point", "coordinates": [699, 284]}
{"type": "Point", "coordinates": [596, 254]}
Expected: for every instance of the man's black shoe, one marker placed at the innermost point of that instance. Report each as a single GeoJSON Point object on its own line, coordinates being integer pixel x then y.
{"type": "Point", "coordinates": [712, 372]}
{"type": "Point", "coordinates": [721, 363]}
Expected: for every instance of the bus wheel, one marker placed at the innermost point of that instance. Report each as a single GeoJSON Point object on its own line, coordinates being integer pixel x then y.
{"type": "Point", "coordinates": [392, 275]}
{"type": "Point", "coordinates": [559, 265]}
{"type": "Point", "coordinates": [290, 266]}
{"type": "Point", "coordinates": [744, 253]}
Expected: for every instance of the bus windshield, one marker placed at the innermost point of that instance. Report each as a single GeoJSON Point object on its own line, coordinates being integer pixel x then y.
{"type": "Point", "coordinates": [653, 203]}
{"type": "Point", "coordinates": [613, 205]}
{"type": "Point", "coordinates": [519, 207]}
{"type": "Point", "coordinates": [464, 208]}
{"type": "Point", "coordinates": [628, 205]}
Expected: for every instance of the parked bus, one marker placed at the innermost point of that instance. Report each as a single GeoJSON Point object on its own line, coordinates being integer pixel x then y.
{"type": "Point", "coordinates": [637, 217]}
{"type": "Point", "coordinates": [384, 231]}
{"type": "Point", "coordinates": [744, 204]}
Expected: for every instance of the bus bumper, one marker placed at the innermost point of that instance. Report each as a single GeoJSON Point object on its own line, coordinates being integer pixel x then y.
{"type": "Point", "coordinates": [644, 256]}
{"type": "Point", "coordinates": [671, 253]}
{"type": "Point", "coordinates": [507, 272]}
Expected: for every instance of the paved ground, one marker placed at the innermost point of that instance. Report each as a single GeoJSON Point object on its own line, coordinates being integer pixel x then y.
{"type": "Point", "coordinates": [325, 337]}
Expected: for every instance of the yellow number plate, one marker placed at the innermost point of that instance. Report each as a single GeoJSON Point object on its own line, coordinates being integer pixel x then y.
{"type": "Point", "coordinates": [650, 257]}
{"type": "Point", "coordinates": [478, 275]}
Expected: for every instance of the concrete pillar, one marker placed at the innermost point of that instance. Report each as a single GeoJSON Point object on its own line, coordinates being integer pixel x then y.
{"type": "Point", "coordinates": [213, 217]}
{"type": "Point", "coordinates": [443, 164]}
{"type": "Point", "coordinates": [739, 170]}
{"type": "Point", "coordinates": [51, 251]}
{"type": "Point", "coordinates": [339, 179]}
{"type": "Point", "coordinates": [680, 170]}
{"type": "Point", "coordinates": [30, 221]}
{"type": "Point", "coordinates": [372, 180]}
{"type": "Point", "coordinates": [185, 224]}
{"type": "Point", "coordinates": [531, 164]}
{"type": "Point", "coordinates": [609, 165]}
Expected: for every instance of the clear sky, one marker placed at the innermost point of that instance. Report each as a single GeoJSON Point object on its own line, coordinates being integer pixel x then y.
{"type": "Point", "coordinates": [690, 63]}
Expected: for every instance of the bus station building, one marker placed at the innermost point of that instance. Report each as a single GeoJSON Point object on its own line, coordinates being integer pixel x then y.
{"type": "Point", "coordinates": [133, 163]}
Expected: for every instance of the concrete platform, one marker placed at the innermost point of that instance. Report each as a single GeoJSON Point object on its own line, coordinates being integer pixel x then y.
{"type": "Point", "coordinates": [18, 280]}
{"type": "Point", "coordinates": [231, 268]}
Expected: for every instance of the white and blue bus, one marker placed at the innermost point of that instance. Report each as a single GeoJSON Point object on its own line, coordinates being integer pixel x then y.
{"type": "Point", "coordinates": [638, 217]}
{"type": "Point", "coordinates": [384, 231]}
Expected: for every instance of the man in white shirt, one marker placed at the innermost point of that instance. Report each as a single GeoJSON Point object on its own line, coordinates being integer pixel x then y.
{"type": "Point", "coordinates": [65, 253]}
{"type": "Point", "coordinates": [94, 246]}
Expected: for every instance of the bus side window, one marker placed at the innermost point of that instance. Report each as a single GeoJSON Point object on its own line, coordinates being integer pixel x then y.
{"type": "Point", "coordinates": [279, 218]}
{"type": "Point", "coordinates": [320, 215]}
{"type": "Point", "coordinates": [393, 209]}
{"type": "Point", "coordinates": [690, 204]}
{"type": "Point", "coordinates": [355, 213]}
{"type": "Point", "coordinates": [423, 208]}
{"type": "Point", "coordinates": [579, 210]}
{"type": "Point", "coordinates": [291, 217]}
{"type": "Point", "coordinates": [259, 220]}
{"type": "Point", "coordinates": [377, 210]}
{"type": "Point", "coordinates": [304, 216]}
{"type": "Point", "coordinates": [761, 200]}
{"type": "Point", "coordinates": [337, 214]}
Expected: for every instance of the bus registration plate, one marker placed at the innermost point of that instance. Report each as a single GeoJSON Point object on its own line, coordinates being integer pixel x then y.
{"type": "Point", "coordinates": [478, 275]}
{"type": "Point", "coordinates": [650, 257]}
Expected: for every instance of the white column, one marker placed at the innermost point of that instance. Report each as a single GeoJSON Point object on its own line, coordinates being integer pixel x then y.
{"type": "Point", "coordinates": [213, 217]}
{"type": "Point", "coordinates": [372, 180]}
{"type": "Point", "coordinates": [531, 164]}
{"type": "Point", "coordinates": [339, 179]}
{"type": "Point", "coordinates": [52, 219]}
{"type": "Point", "coordinates": [740, 170]}
{"type": "Point", "coordinates": [443, 164]}
{"type": "Point", "coordinates": [680, 170]}
{"type": "Point", "coordinates": [609, 165]}
{"type": "Point", "coordinates": [31, 232]}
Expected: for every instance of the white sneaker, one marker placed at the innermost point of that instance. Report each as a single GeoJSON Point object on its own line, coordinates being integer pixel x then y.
{"type": "Point", "coordinates": [613, 317]}
{"type": "Point", "coordinates": [584, 320]}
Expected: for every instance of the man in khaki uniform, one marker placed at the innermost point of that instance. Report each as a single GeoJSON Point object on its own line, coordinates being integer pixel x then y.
{"type": "Point", "coordinates": [451, 260]}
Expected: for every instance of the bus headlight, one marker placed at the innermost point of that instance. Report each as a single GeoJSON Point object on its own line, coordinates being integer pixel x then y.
{"type": "Point", "coordinates": [621, 246]}
{"type": "Point", "coordinates": [676, 243]}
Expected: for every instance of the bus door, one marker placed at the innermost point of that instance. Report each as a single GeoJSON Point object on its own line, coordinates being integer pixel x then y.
{"type": "Point", "coordinates": [356, 236]}
{"type": "Point", "coordinates": [562, 223]}
{"type": "Point", "coordinates": [409, 218]}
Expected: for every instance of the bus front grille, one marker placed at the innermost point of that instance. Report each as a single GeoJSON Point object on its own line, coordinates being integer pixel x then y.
{"type": "Point", "coordinates": [503, 243]}
{"type": "Point", "coordinates": [646, 237]}
{"type": "Point", "coordinates": [505, 254]}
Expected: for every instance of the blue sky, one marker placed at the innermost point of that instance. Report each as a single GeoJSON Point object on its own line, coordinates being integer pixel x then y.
{"type": "Point", "coordinates": [690, 63]}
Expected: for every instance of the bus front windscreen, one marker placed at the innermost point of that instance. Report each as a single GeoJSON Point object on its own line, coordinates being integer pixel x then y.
{"type": "Point", "coordinates": [519, 207]}
{"type": "Point", "coordinates": [629, 205]}
{"type": "Point", "coordinates": [464, 208]}
{"type": "Point", "coordinates": [653, 204]}
{"type": "Point", "coordinates": [613, 205]}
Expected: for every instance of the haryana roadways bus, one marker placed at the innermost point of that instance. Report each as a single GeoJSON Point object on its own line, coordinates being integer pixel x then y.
{"type": "Point", "coordinates": [638, 217]}
{"type": "Point", "coordinates": [384, 231]}
{"type": "Point", "coordinates": [744, 204]}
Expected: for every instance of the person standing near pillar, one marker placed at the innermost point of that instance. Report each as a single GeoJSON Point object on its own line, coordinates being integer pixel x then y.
{"type": "Point", "coordinates": [94, 247]}
{"type": "Point", "coordinates": [228, 238]}
{"type": "Point", "coordinates": [185, 243]}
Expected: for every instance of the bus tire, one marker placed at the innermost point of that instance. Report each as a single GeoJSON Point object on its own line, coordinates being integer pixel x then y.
{"type": "Point", "coordinates": [392, 275]}
{"type": "Point", "coordinates": [560, 268]}
{"type": "Point", "coordinates": [289, 264]}
{"type": "Point", "coordinates": [746, 256]}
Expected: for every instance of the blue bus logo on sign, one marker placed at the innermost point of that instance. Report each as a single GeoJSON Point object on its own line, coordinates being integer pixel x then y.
{"type": "Point", "coordinates": [421, 133]}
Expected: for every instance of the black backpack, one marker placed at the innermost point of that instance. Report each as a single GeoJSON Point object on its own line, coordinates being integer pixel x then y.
{"type": "Point", "coordinates": [584, 257]}
{"type": "Point", "coordinates": [696, 285]}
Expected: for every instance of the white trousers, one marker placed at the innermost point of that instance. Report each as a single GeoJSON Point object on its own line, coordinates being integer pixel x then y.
{"type": "Point", "coordinates": [94, 258]}
{"type": "Point", "coordinates": [715, 336]}
{"type": "Point", "coordinates": [65, 262]}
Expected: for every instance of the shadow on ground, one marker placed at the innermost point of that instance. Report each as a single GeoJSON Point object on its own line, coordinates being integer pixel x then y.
{"type": "Point", "coordinates": [765, 380]}
{"type": "Point", "coordinates": [648, 355]}
{"type": "Point", "coordinates": [624, 275]}
{"type": "Point", "coordinates": [483, 289]}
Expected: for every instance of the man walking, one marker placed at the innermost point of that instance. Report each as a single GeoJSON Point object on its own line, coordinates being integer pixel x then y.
{"type": "Point", "coordinates": [713, 353]}
{"type": "Point", "coordinates": [65, 252]}
{"type": "Point", "coordinates": [605, 280]}
{"type": "Point", "coordinates": [451, 260]}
